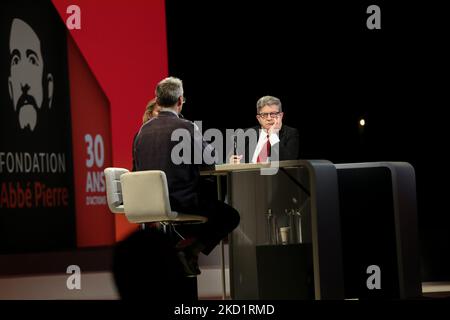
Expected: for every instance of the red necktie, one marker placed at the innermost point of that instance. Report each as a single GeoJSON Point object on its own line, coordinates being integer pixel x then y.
{"type": "Point", "coordinates": [264, 153]}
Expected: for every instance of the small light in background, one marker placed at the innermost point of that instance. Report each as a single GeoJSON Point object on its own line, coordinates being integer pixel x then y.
{"type": "Point", "coordinates": [362, 122]}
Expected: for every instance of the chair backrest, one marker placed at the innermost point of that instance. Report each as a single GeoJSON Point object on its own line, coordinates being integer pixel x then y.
{"type": "Point", "coordinates": [114, 189]}
{"type": "Point", "coordinates": [146, 196]}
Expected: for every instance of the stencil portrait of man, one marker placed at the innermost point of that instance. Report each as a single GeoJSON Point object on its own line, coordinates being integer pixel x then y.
{"type": "Point", "coordinates": [27, 82]}
{"type": "Point", "coordinates": [35, 129]}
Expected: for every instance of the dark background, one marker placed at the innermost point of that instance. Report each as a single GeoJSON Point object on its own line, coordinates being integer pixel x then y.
{"type": "Point", "coordinates": [329, 71]}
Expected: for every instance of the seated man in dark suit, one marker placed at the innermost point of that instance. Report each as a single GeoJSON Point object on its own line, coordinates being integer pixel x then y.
{"type": "Point", "coordinates": [156, 149]}
{"type": "Point", "coordinates": [274, 140]}
{"type": "Point", "coordinates": [151, 111]}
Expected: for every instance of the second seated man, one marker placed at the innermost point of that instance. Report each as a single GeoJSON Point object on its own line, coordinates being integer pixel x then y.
{"type": "Point", "coordinates": [153, 151]}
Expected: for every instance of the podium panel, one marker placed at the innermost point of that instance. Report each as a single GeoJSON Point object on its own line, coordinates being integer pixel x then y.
{"type": "Point", "coordinates": [359, 219]}
{"type": "Point", "coordinates": [302, 197]}
{"type": "Point", "coordinates": [379, 228]}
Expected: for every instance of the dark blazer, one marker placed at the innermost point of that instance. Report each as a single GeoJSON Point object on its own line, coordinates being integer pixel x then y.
{"type": "Point", "coordinates": [132, 152]}
{"type": "Point", "coordinates": [134, 146]}
{"type": "Point", "coordinates": [153, 148]}
{"type": "Point", "coordinates": [288, 146]}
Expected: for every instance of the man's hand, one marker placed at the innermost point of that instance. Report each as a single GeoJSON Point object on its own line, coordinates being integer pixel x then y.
{"type": "Point", "coordinates": [275, 128]}
{"type": "Point", "coordinates": [234, 159]}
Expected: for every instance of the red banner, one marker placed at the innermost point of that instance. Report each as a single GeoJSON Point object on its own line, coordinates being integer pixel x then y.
{"type": "Point", "coordinates": [91, 139]}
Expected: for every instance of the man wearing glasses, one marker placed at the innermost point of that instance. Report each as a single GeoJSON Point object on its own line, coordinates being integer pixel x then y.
{"type": "Point", "coordinates": [270, 133]}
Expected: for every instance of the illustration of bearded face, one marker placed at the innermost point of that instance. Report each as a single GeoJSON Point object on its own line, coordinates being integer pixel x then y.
{"type": "Point", "coordinates": [26, 74]}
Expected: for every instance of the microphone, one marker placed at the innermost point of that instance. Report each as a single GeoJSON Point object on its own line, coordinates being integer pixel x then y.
{"type": "Point", "coordinates": [234, 145]}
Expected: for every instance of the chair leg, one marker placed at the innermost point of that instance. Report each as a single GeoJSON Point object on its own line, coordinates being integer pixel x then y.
{"type": "Point", "coordinates": [179, 234]}
{"type": "Point", "coordinates": [167, 229]}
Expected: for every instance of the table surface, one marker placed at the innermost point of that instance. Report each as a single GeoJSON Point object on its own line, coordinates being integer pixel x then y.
{"type": "Point", "coordinates": [222, 169]}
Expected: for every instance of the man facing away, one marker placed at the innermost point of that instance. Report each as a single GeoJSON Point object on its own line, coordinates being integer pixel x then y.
{"type": "Point", "coordinates": [272, 135]}
{"type": "Point", "coordinates": [153, 151]}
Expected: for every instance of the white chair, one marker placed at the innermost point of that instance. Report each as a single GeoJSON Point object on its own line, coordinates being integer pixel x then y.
{"type": "Point", "coordinates": [114, 189]}
{"type": "Point", "coordinates": [143, 196]}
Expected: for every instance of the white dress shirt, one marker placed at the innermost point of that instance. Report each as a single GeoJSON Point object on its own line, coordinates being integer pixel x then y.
{"type": "Point", "coordinates": [273, 139]}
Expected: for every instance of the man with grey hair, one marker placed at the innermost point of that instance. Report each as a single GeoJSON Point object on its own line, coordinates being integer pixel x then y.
{"type": "Point", "coordinates": [153, 151]}
{"type": "Point", "coordinates": [273, 136]}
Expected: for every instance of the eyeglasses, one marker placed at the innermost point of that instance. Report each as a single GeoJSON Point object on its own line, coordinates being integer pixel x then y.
{"type": "Point", "coordinates": [184, 99]}
{"type": "Point", "coordinates": [264, 115]}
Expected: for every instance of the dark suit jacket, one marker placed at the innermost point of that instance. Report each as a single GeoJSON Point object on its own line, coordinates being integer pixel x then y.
{"type": "Point", "coordinates": [153, 148]}
{"type": "Point", "coordinates": [288, 148]}
{"type": "Point", "coordinates": [134, 146]}
{"type": "Point", "coordinates": [133, 153]}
